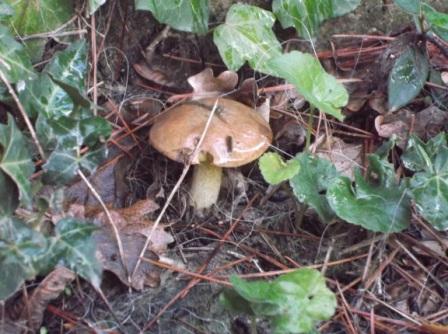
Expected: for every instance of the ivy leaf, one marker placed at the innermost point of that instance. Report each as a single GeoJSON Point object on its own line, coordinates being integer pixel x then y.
{"type": "Point", "coordinates": [407, 77]}
{"type": "Point", "coordinates": [14, 60]}
{"type": "Point", "coordinates": [310, 79]}
{"type": "Point", "coordinates": [22, 255]}
{"type": "Point", "coordinates": [410, 6]}
{"type": "Point", "coordinates": [69, 66]}
{"type": "Point", "coordinates": [9, 196]}
{"type": "Point", "coordinates": [378, 203]}
{"type": "Point", "coordinates": [26, 253]}
{"type": "Point", "coordinates": [15, 159]}
{"type": "Point", "coordinates": [307, 15]}
{"type": "Point", "coordinates": [6, 11]}
{"type": "Point", "coordinates": [437, 20]}
{"type": "Point", "coordinates": [32, 17]}
{"type": "Point", "coordinates": [38, 16]}
{"type": "Point", "coordinates": [275, 170]}
{"type": "Point", "coordinates": [429, 185]}
{"type": "Point", "coordinates": [311, 182]}
{"type": "Point", "coordinates": [185, 15]}
{"type": "Point", "coordinates": [247, 35]}
{"type": "Point", "coordinates": [43, 96]}
{"type": "Point", "coordinates": [294, 302]}
{"type": "Point", "coordinates": [62, 165]}
{"type": "Point", "coordinates": [94, 5]}
{"type": "Point", "coordinates": [77, 248]}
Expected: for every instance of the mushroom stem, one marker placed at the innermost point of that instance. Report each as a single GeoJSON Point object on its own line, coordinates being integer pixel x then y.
{"type": "Point", "coordinates": [205, 186]}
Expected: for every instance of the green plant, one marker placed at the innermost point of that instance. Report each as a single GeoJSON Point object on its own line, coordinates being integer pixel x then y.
{"type": "Point", "coordinates": [411, 68]}
{"type": "Point", "coordinates": [60, 125]}
{"type": "Point", "coordinates": [294, 302]}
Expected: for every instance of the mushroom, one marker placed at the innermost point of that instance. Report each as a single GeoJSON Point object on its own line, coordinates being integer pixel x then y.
{"type": "Point", "coordinates": [236, 135]}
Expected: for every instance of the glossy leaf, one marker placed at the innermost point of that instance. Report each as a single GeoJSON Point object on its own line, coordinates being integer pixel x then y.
{"type": "Point", "coordinates": [310, 79]}
{"type": "Point", "coordinates": [275, 170]}
{"type": "Point", "coordinates": [77, 248]}
{"type": "Point", "coordinates": [26, 253]}
{"type": "Point", "coordinates": [9, 195]}
{"type": "Point", "coordinates": [311, 182]}
{"type": "Point", "coordinates": [429, 185]}
{"type": "Point", "coordinates": [63, 165]}
{"type": "Point", "coordinates": [185, 15]}
{"type": "Point", "coordinates": [6, 11]}
{"type": "Point", "coordinates": [14, 61]}
{"type": "Point", "coordinates": [407, 77]}
{"type": "Point", "coordinates": [294, 302]}
{"type": "Point", "coordinates": [22, 255]}
{"type": "Point", "coordinates": [247, 35]}
{"type": "Point", "coordinates": [306, 15]}
{"type": "Point", "coordinates": [378, 203]}
{"type": "Point", "coordinates": [94, 5]}
{"type": "Point", "coordinates": [437, 20]}
{"type": "Point", "coordinates": [410, 6]}
{"type": "Point", "coordinates": [70, 66]}
{"type": "Point", "coordinates": [32, 17]}
{"type": "Point", "coordinates": [43, 96]}
{"type": "Point", "coordinates": [15, 159]}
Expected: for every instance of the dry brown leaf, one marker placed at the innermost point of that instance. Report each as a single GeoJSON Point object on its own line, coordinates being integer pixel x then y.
{"type": "Point", "coordinates": [108, 254]}
{"type": "Point", "coordinates": [205, 84]}
{"type": "Point", "coordinates": [50, 288]}
{"type": "Point", "coordinates": [344, 156]}
{"type": "Point", "coordinates": [425, 124]}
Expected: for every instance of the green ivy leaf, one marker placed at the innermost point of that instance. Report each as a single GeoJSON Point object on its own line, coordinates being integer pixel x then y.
{"type": "Point", "coordinates": [410, 6]}
{"type": "Point", "coordinates": [247, 35]}
{"type": "Point", "coordinates": [6, 11]}
{"type": "Point", "coordinates": [306, 15]}
{"type": "Point", "coordinates": [275, 170]}
{"type": "Point", "coordinates": [15, 159]}
{"type": "Point", "coordinates": [308, 76]}
{"type": "Point", "coordinates": [311, 182]}
{"type": "Point", "coordinates": [14, 60]}
{"type": "Point", "coordinates": [62, 165]}
{"type": "Point", "coordinates": [32, 17]}
{"type": "Point", "coordinates": [429, 185]}
{"type": "Point", "coordinates": [437, 20]}
{"type": "Point", "coordinates": [43, 96]}
{"type": "Point", "coordinates": [94, 5]}
{"type": "Point", "coordinates": [185, 15]}
{"type": "Point", "coordinates": [69, 66]}
{"type": "Point", "coordinates": [38, 16]}
{"type": "Point", "coordinates": [378, 203]}
{"type": "Point", "coordinates": [294, 302]}
{"type": "Point", "coordinates": [9, 195]}
{"type": "Point", "coordinates": [77, 248]}
{"type": "Point", "coordinates": [26, 253]}
{"type": "Point", "coordinates": [407, 77]}
{"type": "Point", "coordinates": [22, 255]}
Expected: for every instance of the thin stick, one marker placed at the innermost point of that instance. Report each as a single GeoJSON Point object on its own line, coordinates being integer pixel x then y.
{"type": "Point", "coordinates": [111, 221]}
{"type": "Point", "coordinates": [22, 112]}
{"type": "Point", "coordinates": [94, 61]}
{"type": "Point", "coordinates": [176, 187]}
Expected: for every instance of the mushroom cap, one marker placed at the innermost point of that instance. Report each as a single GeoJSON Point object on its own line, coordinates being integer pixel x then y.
{"type": "Point", "coordinates": [236, 136]}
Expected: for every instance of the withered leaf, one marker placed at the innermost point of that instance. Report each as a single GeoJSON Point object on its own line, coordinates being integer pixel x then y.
{"type": "Point", "coordinates": [50, 288]}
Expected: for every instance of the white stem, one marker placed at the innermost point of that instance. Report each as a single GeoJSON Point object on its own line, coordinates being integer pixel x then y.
{"type": "Point", "coordinates": [206, 185]}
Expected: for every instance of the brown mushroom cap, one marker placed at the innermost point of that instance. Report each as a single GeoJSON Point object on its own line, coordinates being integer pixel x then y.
{"type": "Point", "coordinates": [236, 136]}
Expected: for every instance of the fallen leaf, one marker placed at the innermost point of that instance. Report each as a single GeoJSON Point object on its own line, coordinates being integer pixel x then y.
{"type": "Point", "coordinates": [205, 84]}
{"type": "Point", "coordinates": [344, 156]}
{"type": "Point", "coordinates": [50, 288]}
{"type": "Point", "coordinates": [425, 124]}
{"type": "Point", "coordinates": [108, 254]}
